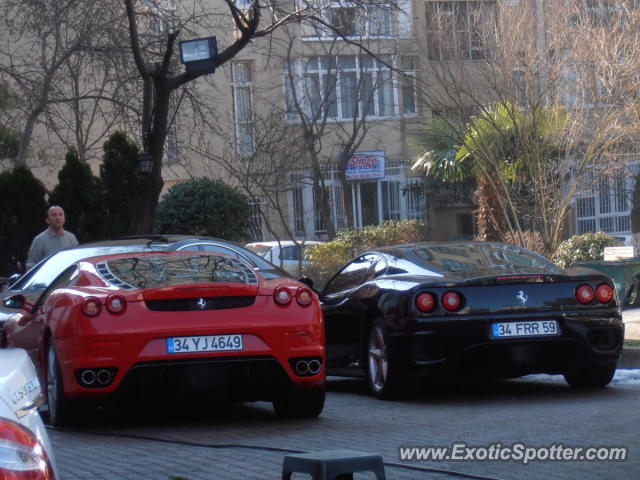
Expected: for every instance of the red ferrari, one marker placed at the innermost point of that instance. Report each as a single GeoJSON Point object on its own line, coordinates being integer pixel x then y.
{"type": "Point", "coordinates": [154, 323]}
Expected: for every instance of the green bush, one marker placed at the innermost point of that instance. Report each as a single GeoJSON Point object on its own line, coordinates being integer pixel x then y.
{"type": "Point", "coordinates": [587, 246]}
{"type": "Point", "coordinates": [25, 208]}
{"type": "Point", "coordinates": [327, 258]}
{"type": "Point", "coordinates": [79, 193]}
{"type": "Point", "coordinates": [204, 207]}
{"type": "Point", "coordinates": [121, 180]}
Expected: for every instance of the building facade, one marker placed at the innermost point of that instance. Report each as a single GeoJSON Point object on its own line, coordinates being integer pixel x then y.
{"type": "Point", "coordinates": [318, 122]}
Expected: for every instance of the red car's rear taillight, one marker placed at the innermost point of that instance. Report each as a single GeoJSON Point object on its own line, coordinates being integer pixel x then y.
{"type": "Point", "coordinates": [304, 297]}
{"type": "Point", "coordinates": [604, 293]}
{"type": "Point", "coordinates": [91, 306]}
{"type": "Point", "coordinates": [425, 302]}
{"type": "Point", "coordinates": [22, 456]}
{"type": "Point", "coordinates": [451, 301]}
{"type": "Point", "coordinates": [584, 294]}
{"type": "Point", "coordinates": [282, 296]}
{"type": "Point", "coordinates": [116, 304]}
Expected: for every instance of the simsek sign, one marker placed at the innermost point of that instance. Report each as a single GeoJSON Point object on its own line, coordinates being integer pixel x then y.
{"type": "Point", "coordinates": [365, 165]}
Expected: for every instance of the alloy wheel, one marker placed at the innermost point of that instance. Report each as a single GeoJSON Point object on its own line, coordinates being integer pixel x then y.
{"type": "Point", "coordinates": [378, 359]}
{"type": "Point", "coordinates": [52, 379]}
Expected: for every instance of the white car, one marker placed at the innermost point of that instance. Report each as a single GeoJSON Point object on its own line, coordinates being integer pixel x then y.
{"type": "Point", "coordinates": [25, 451]}
{"type": "Point", "coordinates": [284, 254]}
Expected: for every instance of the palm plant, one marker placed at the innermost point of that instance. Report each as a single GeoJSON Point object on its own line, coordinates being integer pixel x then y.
{"type": "Point", "coordinates": [513, 155]}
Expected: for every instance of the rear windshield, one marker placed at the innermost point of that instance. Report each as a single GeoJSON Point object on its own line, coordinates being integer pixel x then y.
{"type": "Point", "coordinates": [42, 274]}
{"type": "Point", "coordinates": [153, 271]}
{"type": "Point", "coordinates": [475, 257]}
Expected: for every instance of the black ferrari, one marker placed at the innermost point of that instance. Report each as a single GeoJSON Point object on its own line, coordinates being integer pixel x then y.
{"type": "Point", "coordinates": [453, 309]}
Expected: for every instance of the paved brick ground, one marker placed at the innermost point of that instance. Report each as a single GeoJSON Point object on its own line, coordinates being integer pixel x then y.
{"type": "Point", "coordinates": [534, 411]}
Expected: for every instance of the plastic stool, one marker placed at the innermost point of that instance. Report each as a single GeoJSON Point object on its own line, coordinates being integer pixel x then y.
{"type": "Point", "coordinates": [333, 465]}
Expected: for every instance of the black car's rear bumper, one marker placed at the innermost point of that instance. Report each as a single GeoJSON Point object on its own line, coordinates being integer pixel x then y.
{"type": "Point", "coordinates": [463, 345]}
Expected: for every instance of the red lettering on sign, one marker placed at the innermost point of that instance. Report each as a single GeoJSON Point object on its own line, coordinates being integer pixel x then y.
{"type": "Point", "coordinates": [363, 161]}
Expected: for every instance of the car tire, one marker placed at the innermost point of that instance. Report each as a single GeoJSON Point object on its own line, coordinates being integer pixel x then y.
{"type": "Point", "coordinates": [590, 376]}
{"type": "Point", "coordinates": [61, 409]}
{"type": "Point", "coordinates": [383, 373]}
{"type": "Point", "coordinates": [300, 403]}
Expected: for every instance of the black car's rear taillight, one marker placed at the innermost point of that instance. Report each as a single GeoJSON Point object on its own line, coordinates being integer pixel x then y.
{"type": "Point", "coordinates": [425, 302]}
{"type": "Point", "coordinates": [584, 294]}
{"type": "Point", "coordinates": [451, 301]}
{"type": "Point", "coordinates": [604, 293]}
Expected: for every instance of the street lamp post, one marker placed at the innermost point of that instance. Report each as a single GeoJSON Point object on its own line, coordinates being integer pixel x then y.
{"type": "Point", "coordinates": [199, 56]}
{"type": "Point", "coordinates": [145, 162]}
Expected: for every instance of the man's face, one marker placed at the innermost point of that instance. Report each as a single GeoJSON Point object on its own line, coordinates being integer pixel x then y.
{"type": "Point", "coordinates": [55, 217]}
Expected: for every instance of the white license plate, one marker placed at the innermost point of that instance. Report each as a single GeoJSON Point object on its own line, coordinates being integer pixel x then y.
{"type": "Point", "coordinates": [205, 343]}
{"type": "Point", "coordinates": [535, 328]}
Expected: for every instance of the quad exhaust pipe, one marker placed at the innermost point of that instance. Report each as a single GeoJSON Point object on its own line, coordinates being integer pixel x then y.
{"type": "Point", "coordinates": [104, 377]}
{"type": "Point", "coordinates": [96, 377]}
{"type": "Point", "coordinates": [306, 367]}
{"type": "Point", "coordinates": [88, 377]}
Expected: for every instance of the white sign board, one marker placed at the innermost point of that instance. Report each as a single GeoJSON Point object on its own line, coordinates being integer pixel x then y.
{"type": "Point", "coordinates": [617, 253]}
{"type": "Point", "coordinates": [365, 165]}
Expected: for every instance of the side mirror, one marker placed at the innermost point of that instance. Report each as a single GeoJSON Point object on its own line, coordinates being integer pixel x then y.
{"type": "Point", "coordinates": [15, 301]}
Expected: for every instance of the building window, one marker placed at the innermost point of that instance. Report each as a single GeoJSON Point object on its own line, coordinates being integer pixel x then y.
{"type": "Point", "coordinates": [416, 199]}
{"type": "Point", "coordinates": [407, 84]}
{"type": "Point", "coordinates": [319, 226]}
{"type": "Point", "coordinates": [456, 30]}
{"type": "Point", "coordinates": [596, 13]}
{"type": "Point", "coordinates": [347, 87]}
{"type": "Point", "coordinates": [464, 224]}
{"type": "Point", "coordinates": [298, 211]}
{"type": "Point", "coordinates": [342, 18]}
{"type": "Point", "coordinates": [519, 85]}
{"type": "Point", "coordinates": [255, 220]}
{"type": "Point", "coordinates": [242, 109]}
{"type": "Point", "coordinates": [395, 197]}
{"type": "Point", "coordinates": [605, 207]}
{"type": "Point", "coordinates": [170, 155]}
{"type": "Point", "coordinates": [391, 200]}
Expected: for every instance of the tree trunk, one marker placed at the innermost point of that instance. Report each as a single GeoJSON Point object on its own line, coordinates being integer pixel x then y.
{"type": "Point", "coordinates": [25, 137]}
{"type": "Point", "coordinates": [490, 214]}
{"type": "Point", "coordinates": [347, 196]}
{"type": "Point", "coordinates": [144, 214]}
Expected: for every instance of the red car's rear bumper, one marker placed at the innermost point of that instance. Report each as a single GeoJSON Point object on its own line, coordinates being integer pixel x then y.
{"type": "Point", "coordinates": [137, 339]}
